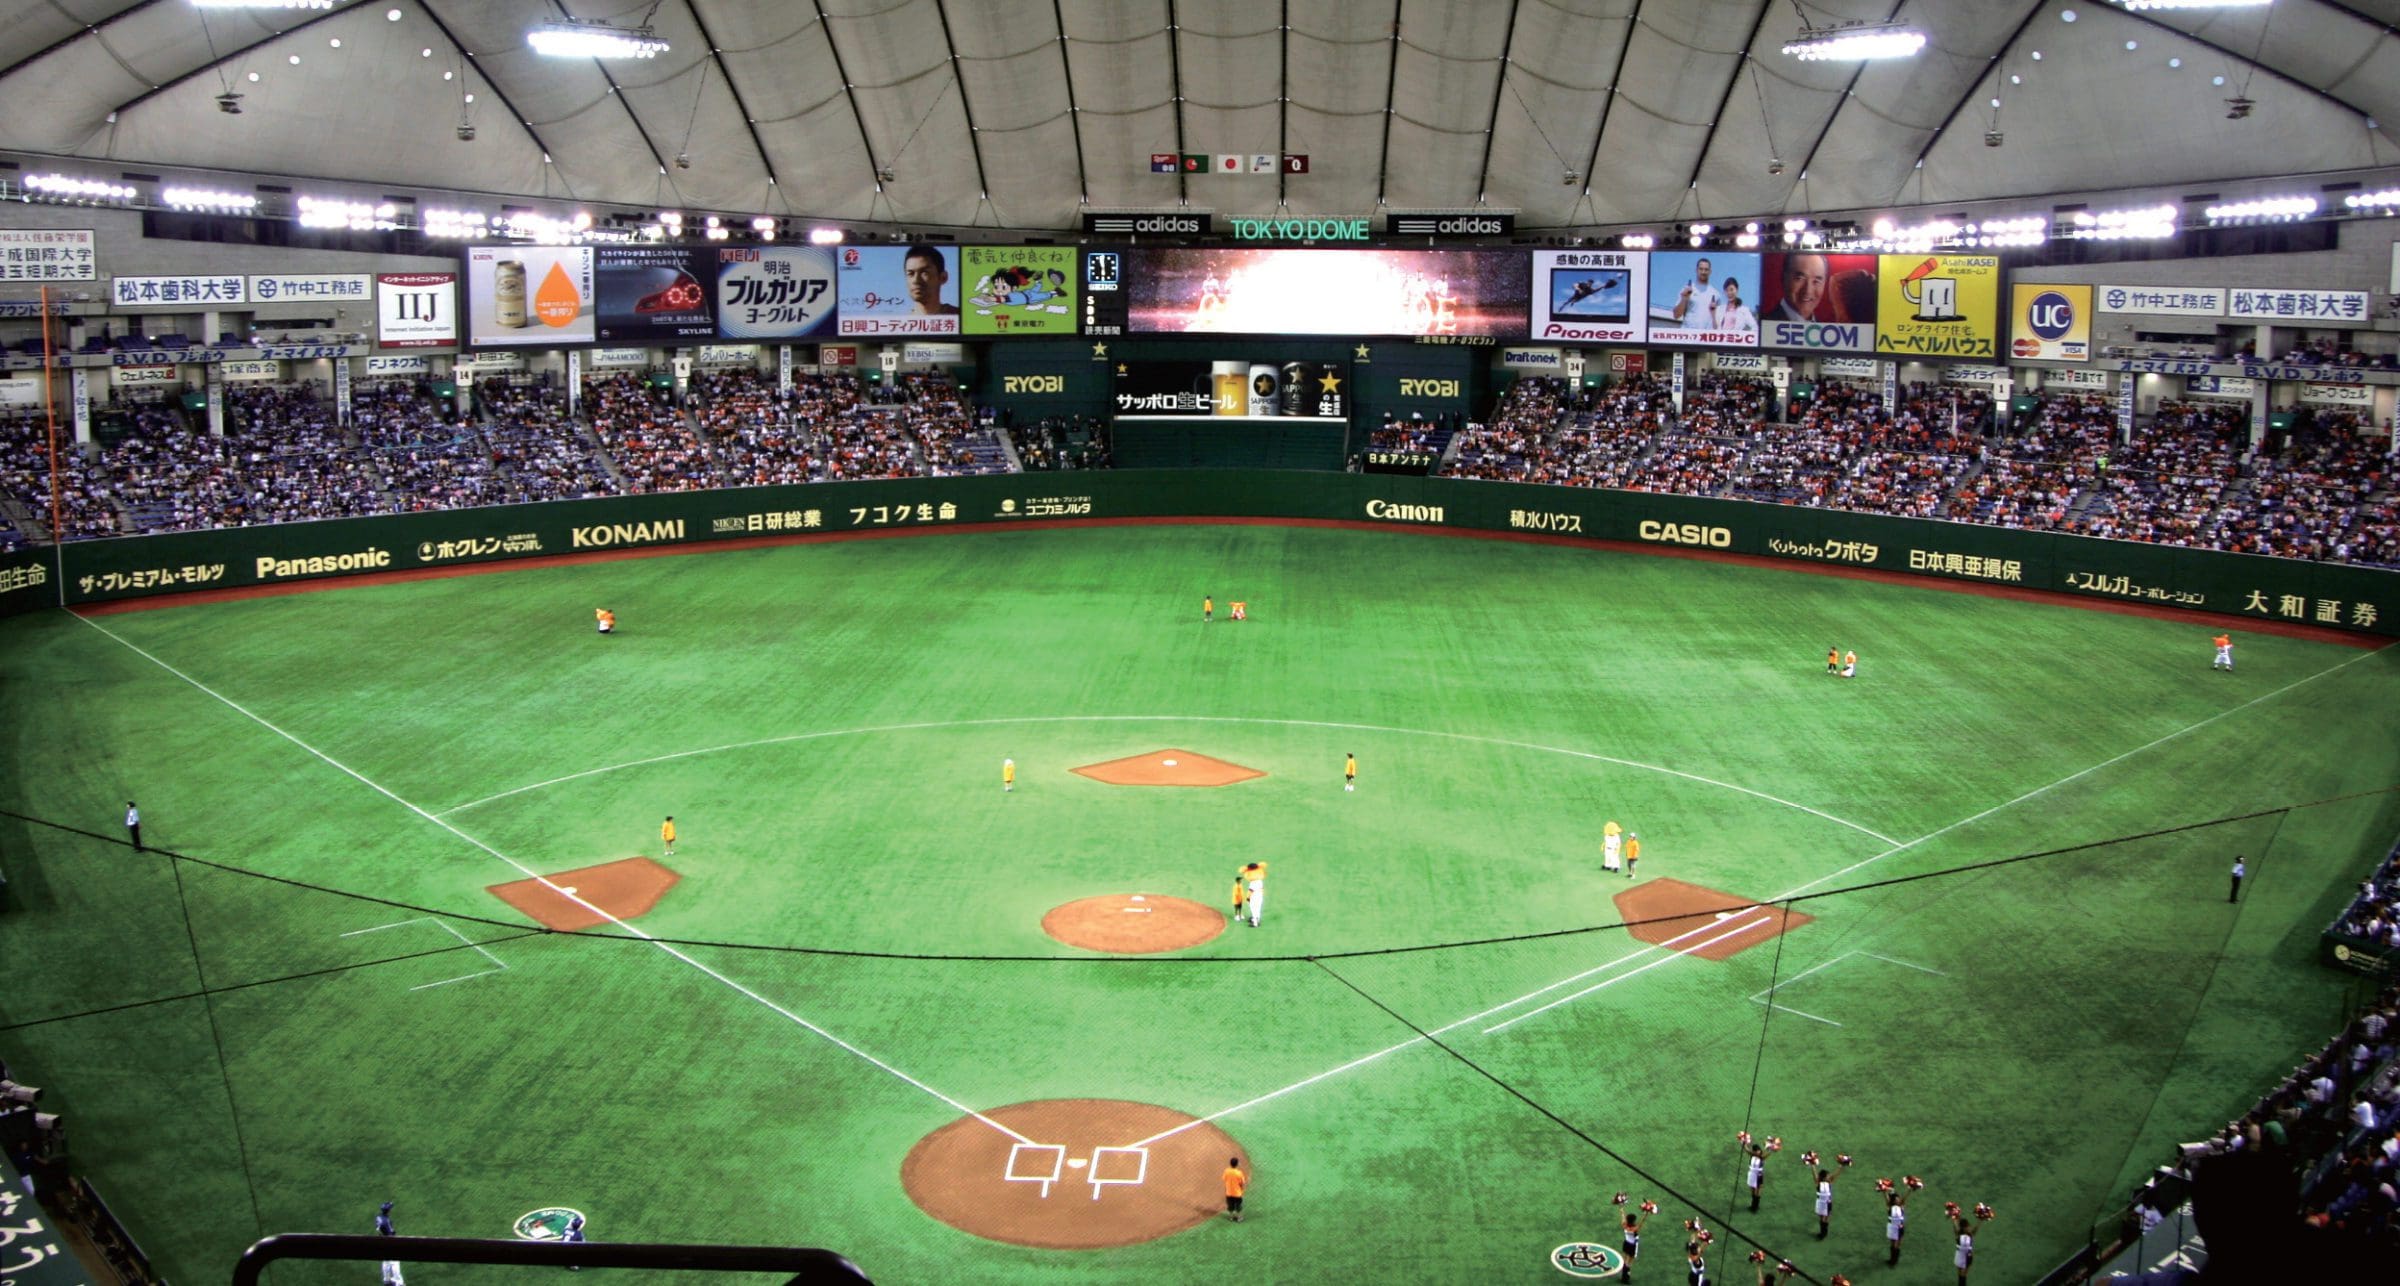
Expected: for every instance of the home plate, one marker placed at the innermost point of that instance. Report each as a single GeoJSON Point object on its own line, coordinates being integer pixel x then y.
{"type": "Point", "coordinates": [1076, 1163]}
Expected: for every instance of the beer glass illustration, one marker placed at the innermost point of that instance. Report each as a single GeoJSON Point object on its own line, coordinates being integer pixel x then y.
{"type": "Point", "coordinates": [1232, 387]}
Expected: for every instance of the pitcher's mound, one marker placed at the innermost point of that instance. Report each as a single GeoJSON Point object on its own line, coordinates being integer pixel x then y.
{"type": "Point", "coordinates": [1701, 921]}
{"type": "Point", "coordinates": [623, 889]}
{"type": "Point", "coordinates": [1086, 1173]}
{"type": "Point", "coordinates": [1168, 768]}
{"type": "Point", "coordinates": [1133, 923]}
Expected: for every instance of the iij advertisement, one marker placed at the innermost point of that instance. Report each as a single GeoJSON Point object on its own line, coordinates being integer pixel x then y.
{"type": "Point", "coordinates": [1233, 388]}
{"type": "Point", "coordinates": [1821, 302]}
{"type": "Point", "coordinates": [528, 296]}
{"type": "Point", "coordinates": [1938, 305]}
{"type": "Point", "coordinates": [2050, 322]}
{"type": "Point", "coordinates": [1020, 290]}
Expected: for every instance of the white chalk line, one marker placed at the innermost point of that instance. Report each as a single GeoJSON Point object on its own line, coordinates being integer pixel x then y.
{"type": "Point", "coordinates": [498, 965]}
{"type": "Point", "coordinates": [1166, 718]}
{"type": "Point", "coordinates": [545, 882]}
{"type": "Point", "coordinates": [1366, 1059]}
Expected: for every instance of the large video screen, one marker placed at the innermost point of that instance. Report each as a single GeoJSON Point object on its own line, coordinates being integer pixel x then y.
{"type": "Point", "coordinates": [1704, 297]}
{"type": "Point", "coordinates": [1824, 302]}
{"type": "Point", "coordinates": [1591, 296]}
{"type": "Point", "coordinates": [530, 296]}
{"type": "Point", "coordinates": [1173, 291]}
{"type": "Point", "coordinates": [891, 290]}
{"type": "Point", "coordinates": [1234, 387]}
{"type": "Point", "coordinates": [775, 292]}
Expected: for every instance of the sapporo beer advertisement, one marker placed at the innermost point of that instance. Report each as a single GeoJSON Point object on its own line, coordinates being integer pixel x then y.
{"type": "Point", "coordinates": [1233, 387]}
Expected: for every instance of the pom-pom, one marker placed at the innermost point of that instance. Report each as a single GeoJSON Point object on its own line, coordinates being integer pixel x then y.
{"type": "Point", "coordinates": [1649, 1207]}
{"type": "Point", "coordinates": [1742, 1138]}
{"type": "Point", "coordinates": [1839, 1280]}
{"type": "Point", "coordinates": [1774, 1144]}
{"type": "Point", "coordinates": [1983, 1211]}
{"type": "Point", "coordinates": [1842, 1159]}
{"type": "Point", "coordinates": [1758, 1256]}
{"type": "Point", "coordinates": [1883, 1186]}
{"type": "Point", "coordinates": [1950, 1208]}
{"type": "Point", "coordinates": [1619, 1199]}
{"type": "Point", "coordinates": [1787, 1269]}
{"type": "Point", "coordinates": [1706, 1236]}
{"type": "Point", "coordinates": [1914, 1183]}
{"type": "Point", "coordinates": [1809, 1158]}
{"type": "Point", "coordinates": [1691, 1225]}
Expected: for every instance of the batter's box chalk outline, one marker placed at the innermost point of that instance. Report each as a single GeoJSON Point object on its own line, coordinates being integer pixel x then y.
{"type": "Point", "coordinates": [1141, 1168]}
{"type": "Point", "coordinates": [498, 965]}
{"type": "Point", "coordinates": [1762, 997]}
{"type": "Point", "coordinates": [1058, 1164]}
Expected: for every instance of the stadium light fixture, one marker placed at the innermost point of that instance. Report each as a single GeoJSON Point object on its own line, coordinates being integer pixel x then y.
{"type": "Point", "coordinates": [2272, 209]}
{"type": "Point", "coordinates": [2386, 201]}
{"type": "Point", "coordinates": [209, 199]}
{"type": "Point", "coordinates": [69, 190]}
{"type": "Point", "coordinates": [264, 4]}
{"type": "Point", "coordinates": [1855, 42]}
{"type": "Point", "coordinates": [2147, 223]}
{"type": "Point", "coordinates": [824, 236]}
{"type": "Point", "coordinates": [2138, 5]}
{"type": "Point", "coordinates": [592, 38]}
{"type": "Point", "coordinates": [1638, 240]}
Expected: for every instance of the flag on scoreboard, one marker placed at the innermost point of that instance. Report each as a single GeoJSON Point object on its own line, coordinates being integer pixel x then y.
{"type": "Point", "coordinates": [1295, 162]}
{"type": "Point", "coordinates": [1262, 163]}
{"type": "Point", "coordinates": [1228, 163]}
{"type": "Point", "coordinates": [1195, 163]}
{"type": "Point", "coordinates": [1162, 163]}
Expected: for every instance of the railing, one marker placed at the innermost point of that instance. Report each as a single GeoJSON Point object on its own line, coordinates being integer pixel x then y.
{"type": "Point", "coordinates": [807, 1266]}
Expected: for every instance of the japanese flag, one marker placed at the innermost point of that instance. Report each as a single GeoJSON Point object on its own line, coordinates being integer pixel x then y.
{"type": "Point", "coordinates": [1228, 163]}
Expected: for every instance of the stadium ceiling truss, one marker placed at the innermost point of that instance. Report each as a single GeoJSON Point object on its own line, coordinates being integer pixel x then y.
{"type": "Point", "coordinates": [961, 113]}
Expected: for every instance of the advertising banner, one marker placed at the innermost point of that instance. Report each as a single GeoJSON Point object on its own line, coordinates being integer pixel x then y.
{"type": "Point", "coordinates": [79, 400]}
{"type": "Point", "coordinates": [1314, 390]}
{"type": "Point", "coordinates": [416, 309]}
{"type": "Point", "coordinates": [2168, 301]}
{"type": "Point", "coordinates": [887, 290]}
{"type": "Point", "coordinates": [655, 294]}
{"type": "Point", "coordinates": [2125, 409]}
{"type": "Point", "coordinates": [1980, 376]}
{"type": "Point", "coordinates": [727, 354]}
{"type": "Point", "coordinates": [414, 365]}
{"type": "Point", "coordinates": [1704, 298]}
{"type": "Point", "coordinates": [1327, 292]}
{"type": "Point", "coordinates": [2050, 323]}
{"type": "Point", "coordinates": [1822, 302]}
{"type": "Point", "coordinates": [618, 357]}
{"type": "Point", "coordinates": [2229, 386]}
{"type": "Point", "coordinates": [2094, 380]}
{"type": "Point", "coordinates": [837, 354]}
{"type": "Point", "coordinates": [1591, 296]}
{"type": "Point", "coordinates": [2301, 307]}
{"type": "Point", "coordinates": [1744, 363]}
{"type": "Point", "coordinates": [250, 370]}
{"type": "Point", "coordinates": [48, 254]}
{"type": "Point", "coordinates": [341, 390]}
{"type": "Point", "coordinates": [144, 376]}
{"type": "Point", "coordinates": [933, 354]}
{"type": "Point", "coordinates": [310, 288]}
{"type": "Point", "coordinates": [1848, 368]}
{"type": "Point", "coordinates": [20, 392]}
{"type": "Point", "coordinates": [530, 296]}
{"type": "Point", "coordinates": [775, 292]}
{"type": "Point", "coordinates": [217, 290]}
{"type": "Point", "coordinates": [1533, 359]}
{"type": "Point", "coordinates": [2357, 397]}
{"type": "Point", "coordinates": [1020, 290]}
{"type": "Point", "coordinates": [1938, 305]}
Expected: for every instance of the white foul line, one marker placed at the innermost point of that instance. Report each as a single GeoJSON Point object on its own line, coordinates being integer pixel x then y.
{"type": "Point", "coordinates": [498, 965]}
{"type": "Point", "coordinates": [1744, 926]}
{"type": "Point", "coordinates": [544, 881]}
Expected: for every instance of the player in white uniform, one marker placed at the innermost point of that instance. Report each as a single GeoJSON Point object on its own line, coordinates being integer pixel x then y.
{"type": "Point", "coordinates": [1254, 882]}
{"type": "Point", "coordinates": [1612, 846]}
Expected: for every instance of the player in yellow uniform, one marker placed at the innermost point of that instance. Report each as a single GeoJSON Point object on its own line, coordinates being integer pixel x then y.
{"type": "Point", "coordinates": [666, 834]}
{"type": "Point", "coordinates": [1208, 608]}
{"type": "Point", "coordinates": [1633, 852]}
{"type": "Point", "coordinates": [1833, 660]}
{"type": "Point", "coordinates": [1349, 772]}
{"type": "Point", "coordinates": [606, 618]}
{"type": "Point", "coordinates": [1008, 775]}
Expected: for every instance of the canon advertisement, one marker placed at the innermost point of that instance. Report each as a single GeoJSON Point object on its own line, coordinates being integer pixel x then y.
{"type": "Point", "coordinates": [1326, 292]}
{"type": "Point", "coordinates": [1233, 388]}
{"type": "Point", "coordinates": [1590, 296]}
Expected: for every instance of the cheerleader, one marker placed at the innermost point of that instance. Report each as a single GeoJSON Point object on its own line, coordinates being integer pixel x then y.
{"type": "Point", "coordinates": [1895, 1223]}
{"type": "Point", "coordinates": [1824, 1203]}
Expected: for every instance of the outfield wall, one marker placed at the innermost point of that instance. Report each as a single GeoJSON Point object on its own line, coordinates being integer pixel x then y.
{"type": "Point", "coordinates": [2285, 590]}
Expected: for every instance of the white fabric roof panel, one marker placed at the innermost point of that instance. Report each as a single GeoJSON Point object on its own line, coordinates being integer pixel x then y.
{"type": "Point", "coordinates": [1042, 105]}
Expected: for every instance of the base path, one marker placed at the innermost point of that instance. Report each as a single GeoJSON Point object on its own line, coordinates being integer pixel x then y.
{"type": "Point", "coordinates": [621, 890]}
{"type": "Point", "coordinates": [1133, 923]}
{"type": "Point", "coordinates": [1701, 921]}
{"type": "Point", "coordinates": [1076, 1185]}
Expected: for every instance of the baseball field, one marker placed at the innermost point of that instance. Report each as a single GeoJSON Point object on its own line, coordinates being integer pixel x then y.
{"type": "Point", "coordinates": [405, 928]}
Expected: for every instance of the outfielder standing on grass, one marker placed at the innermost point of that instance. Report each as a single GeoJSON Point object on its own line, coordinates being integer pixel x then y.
{"type": "Point", "coordinates": [133, 824]}
{"type": "Point", "coordinates": [1349, 772]}
{"type": "Point", "coordinates": [2224, 659]}
{"type": "Point", "coordinates": [1008, 775]}
{"type": "Point", "coordinates": [1236, 1183]}
{"type": "Point", "coordinates": [666, 834]}
{"type": "Point", "coordinates": [1633, 852]}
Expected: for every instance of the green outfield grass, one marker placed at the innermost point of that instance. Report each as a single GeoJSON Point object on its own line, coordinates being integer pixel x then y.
{"type": "Point", "coordinates": [827, 722]}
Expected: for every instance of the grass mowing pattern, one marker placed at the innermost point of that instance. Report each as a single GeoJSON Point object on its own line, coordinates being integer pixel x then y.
{"type": "Point", "coordinates": [2085, 1010]}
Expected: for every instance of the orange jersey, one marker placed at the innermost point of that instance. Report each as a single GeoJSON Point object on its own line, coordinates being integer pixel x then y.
{"type": "Point", "coordinates": [1236, 1182]}
{"type": "Point", "coordinates": [666, 831]}
{"type": "Point", "coordinates": [1241, 892]}
{"type": "Point", "coordinates": [1633, 849]}
{"type": "Point", "coordinates": [1350, 766]}
{"type": "Point", "coordinates": [2223, 640]}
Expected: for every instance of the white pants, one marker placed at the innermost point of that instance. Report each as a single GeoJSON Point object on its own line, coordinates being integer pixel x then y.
{"type": "Point", "coordinates": [2225, 657]}
{"type": "Point", "coordinates": [1258, 901]}
{"type": "Point", "coordinates": [1610, 846]}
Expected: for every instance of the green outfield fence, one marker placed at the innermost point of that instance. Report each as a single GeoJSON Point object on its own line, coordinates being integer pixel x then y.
{"type": "Point", "coordinates": [2268, 589]}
